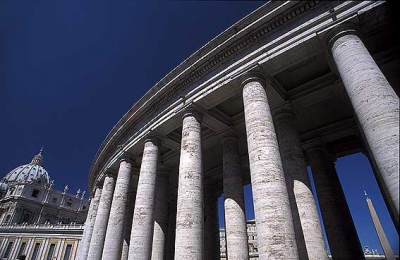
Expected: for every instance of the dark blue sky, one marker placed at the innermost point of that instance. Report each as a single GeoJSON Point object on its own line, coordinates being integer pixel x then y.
{"type": "Point", "coordinates": [70, 69]}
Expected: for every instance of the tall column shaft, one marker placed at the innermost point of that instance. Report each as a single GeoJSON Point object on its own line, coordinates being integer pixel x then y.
{"type": "Point", "coordinates": [308, 230]}
{"type": "Point", "coordinates": [100, 225]}
{"type": "Point", "coordinates": [211, 227]}
{"type": "Point", "coordinates": [160, 217]}
{"type": "Point", "coordinates": [376, 106]}
{"type": "Point", "coordinates": [275, 231]}
{"type": "Point", "coordinates": [143, 217]}
{"type": "Point", "coordinates": [115, 229]}
{"type": "Point", "coordinates": [89, 225]}
{"type": "Point", "coordinates": [130, 206]}
{"type": "Point", "coordinates": [171, 229]}
{"type": "Point", "coordinates": [189, 215]}
{"type": "Point", "coordinates": [339, 226]}
{"type": "Point", "coordinates": [235, 219]}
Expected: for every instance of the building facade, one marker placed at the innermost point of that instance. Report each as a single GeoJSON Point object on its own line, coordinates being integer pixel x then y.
{"type": "Point", "coordinates": [37, 220]}
{"type": "Point", "coordinates": [292, 84]}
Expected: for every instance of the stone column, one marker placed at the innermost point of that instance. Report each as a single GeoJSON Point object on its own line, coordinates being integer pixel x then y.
{"type": "Point", "coordinates": [308, 230]}
{"type": "Point", "coordinates": [235, 219]}
{"type": "Point", "coordinates": [211, 227]}
{"type": "Point", "coordinates": [171, 228]}
{"type": "Point", "coordinates": [143, 217]}
{"type": "Point", "coordinates": [275, 231]}
{"type": "Point", "coordinates": [160, 217]}
{"type": "Point", "coordinates": [189, 215]}
{"type": "Point", "coordinates": [339, 226]}
{"type": "Point", "coordinates": [89, 225]}
{"type": "Point", "coordinates": [115, 229]}
{"type": "Point", "coordinates": [130, 206]}
{"type": "Point", "coordinates": [375, 104]}
{"type": "Point", "coordinates": [100, 224]}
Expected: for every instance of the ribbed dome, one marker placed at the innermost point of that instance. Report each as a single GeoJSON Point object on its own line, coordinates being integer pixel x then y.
{"type": "Point", "coordinates": [29, 173]}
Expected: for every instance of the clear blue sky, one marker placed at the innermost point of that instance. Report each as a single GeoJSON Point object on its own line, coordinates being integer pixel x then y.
{"type": "Point", "coordinates": [70, 69]}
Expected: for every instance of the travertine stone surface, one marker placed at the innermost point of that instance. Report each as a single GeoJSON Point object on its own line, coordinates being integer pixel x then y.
{"type": "Point", "coordinates": [130, 206]}
{"type": "Point", "coordinates": [103, 212]}
{"type": "Point", "coordinates": [308, 230]}
{"type": "Point", "coordinates": [275, 231]}
{"type": "Point", "coordinates": [211, 227]}
{"type": "Point", "coordinates": [160, 216]}
{"type": "Point", "coordinates": [89, 224]}
{"type": "Point", "coordinates": [375, 104]}
{"type": "Point", "coordinates": [143, 215]}
{"type": "Point", "coordinates": [171, 228]}
{"type": "Point", "coordinates": [339, 227]}
{"type": "Point", "coordinates": [115, 229]}
{"type": "Point", "coordinates": [189, 216]}
{"type": "Point", "coordinates": [235, 219]}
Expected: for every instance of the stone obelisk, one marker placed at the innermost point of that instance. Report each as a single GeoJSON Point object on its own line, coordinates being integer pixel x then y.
{"type": "Point", "coordinates": [379, 230]}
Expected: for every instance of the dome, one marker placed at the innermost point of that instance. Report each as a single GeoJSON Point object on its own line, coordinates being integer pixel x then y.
{"type": "Point", "coordinates": [32, 172]}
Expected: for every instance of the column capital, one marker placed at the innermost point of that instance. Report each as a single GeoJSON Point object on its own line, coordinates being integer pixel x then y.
{"type": "Point", "coordinates": [339, 31]}
{"type": "Point", "coordinates": [127, 157]}
{"type": "Point", "coordinates": [153, 138]}
{"type": "Point", "coordinates": [285, 109]}
{"type": "Point", "coordinates": [229, 134]}
{"type": "Point", "coordinates": [313, 144]}
{"type": "Point", "coordinates": [111, 174]}
{"type": "Point", "coordinates": [254, 75]}
{"type": "Point", "coordinates": [192, 110]}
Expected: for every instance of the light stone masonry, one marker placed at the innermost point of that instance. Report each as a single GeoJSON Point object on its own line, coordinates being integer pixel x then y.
{"type": "Point", "coordinates": [115, 229]}
{"type": "Point", "coordinates": [160, 217]}
{"type": "Point", "coordinates": [190, 215]}
{"type": "Point", "coordinates": [275, 231]}
{"type": "Point", "coordinates": [89, 225]}
{"type": "Point", "coordinates": [103, 212]}
{"type": "Point", "coordinates": [143, 215]}
{"type": "Point", "coordinates": [375, 104]}
{"type": "Point", "coordinates": [308, 230]}
{"type": "Point", "coordinates": [130, 206]}
{"type": "Point", "coordinates": [235, 219]}
{"type": "Point", "coordinates": [339, 227]}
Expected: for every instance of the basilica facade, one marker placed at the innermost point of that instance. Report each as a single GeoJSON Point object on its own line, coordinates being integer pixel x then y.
{"type": "Point", "coordinates": [293, 84]}
{"type": "Point", "coordinates": [37, 220]}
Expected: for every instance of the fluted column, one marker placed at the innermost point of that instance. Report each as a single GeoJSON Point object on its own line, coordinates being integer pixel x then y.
{"type": "Point", "coordinates": [275, 231]}
{"type": "Point", "coordinates": [339, 226]}
{"type": "Point", "coordinates": [308, 230]}
{"type": "Point", "coordinates": [375, 104]}
{"type": "Point", "coordinates": [115, 229]}
{"type": "Point", "coordinates": [235, 219]}
{"type": "Point", "coordinates": [189, 216]}
{"type": "Point", "coordinates": [103, 212]}
{"type": "Point", "coordinates": [211, 227]}
{"type": "Point", "coordinates": [160, 217]}
{"type": "Point", "coordinates": [143, 217]}
{"type": "Point", "coordinates": [89, 225]}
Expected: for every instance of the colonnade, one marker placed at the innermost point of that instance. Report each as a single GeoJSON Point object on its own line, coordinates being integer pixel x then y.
{"type": "Point", "coordinates": [287, 220]}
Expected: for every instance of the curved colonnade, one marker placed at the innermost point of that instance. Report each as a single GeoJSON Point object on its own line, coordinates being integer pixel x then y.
{"type": "Point", "coordinates": [292, 84]}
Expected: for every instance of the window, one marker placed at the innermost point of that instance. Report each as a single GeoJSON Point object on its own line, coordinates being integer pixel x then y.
{"type": "Point", "coordinates": [35, 193]}
{"type": "Point", "coordinates": [21, 249]}
{"type": "Point", "coordinates": [8, 218]}
{"type": "Point", "coordinates": [69, 203]}
{"type": "Point", "coordinates": [51, 251]}
{"type": "Point", "coordinates": [26, 218]}
{"type": "Point", "coordinates": [67, 252]}
{"type": "Point", "coordinates": [8, 250]}
{"type": "Point", "coordinates": [35, 251]}
{"type": "Point", "coordinates": [54, 200]}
